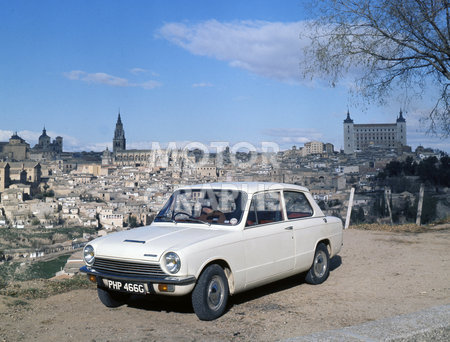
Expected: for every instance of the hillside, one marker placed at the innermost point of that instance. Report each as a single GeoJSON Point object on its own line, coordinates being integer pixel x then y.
{"type": "Point", "coordinates": [377, 274]}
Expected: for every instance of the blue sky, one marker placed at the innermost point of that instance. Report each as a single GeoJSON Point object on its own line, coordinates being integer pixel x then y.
{"type": "Point", "coordinates": [180, 71]}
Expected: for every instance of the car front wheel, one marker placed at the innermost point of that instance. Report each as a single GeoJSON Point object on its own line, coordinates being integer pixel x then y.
{"type": "Point", "coordinates": [111, 299]}
{"type": "Point", "coordinates": [320, 268]}
{"type": "Point", "coordinates": [210, 295]}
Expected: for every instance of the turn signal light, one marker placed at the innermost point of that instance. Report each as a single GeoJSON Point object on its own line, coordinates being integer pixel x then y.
{"type": "Point", "coordinates": [166, 287]}
{"type": "Point", "coordinates": [92, 278]}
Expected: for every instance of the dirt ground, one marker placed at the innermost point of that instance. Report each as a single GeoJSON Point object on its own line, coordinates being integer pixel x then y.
{"type": "Point", "coordinates": [377, 275]}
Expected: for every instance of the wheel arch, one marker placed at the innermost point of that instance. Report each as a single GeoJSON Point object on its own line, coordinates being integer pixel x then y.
{"type": "Point", "coordinates": [226, 268]}
{"type": "Point", "coordinates": [327, 243]}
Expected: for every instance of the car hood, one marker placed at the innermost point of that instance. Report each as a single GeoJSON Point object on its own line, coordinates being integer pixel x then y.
{"type": "Point", "coordinates": [150, 242]}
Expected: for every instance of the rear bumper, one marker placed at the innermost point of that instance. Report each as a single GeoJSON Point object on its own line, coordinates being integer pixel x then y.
{"type": "Point", "coordinates": [188, 280]}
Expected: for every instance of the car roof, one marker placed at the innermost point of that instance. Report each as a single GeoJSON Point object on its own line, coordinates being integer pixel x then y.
{"type": "Point", "coordinates": [248, 187]}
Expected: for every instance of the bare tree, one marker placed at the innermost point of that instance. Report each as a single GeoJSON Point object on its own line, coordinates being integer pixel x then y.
{"type": "Point", "coordinates": [389, 44]}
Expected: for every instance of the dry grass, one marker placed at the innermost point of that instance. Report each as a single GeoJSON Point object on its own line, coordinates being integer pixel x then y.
{"type": "Point", "coordinates": [42, 288]}
{"type": "Point", "coordinates": [407, 228]}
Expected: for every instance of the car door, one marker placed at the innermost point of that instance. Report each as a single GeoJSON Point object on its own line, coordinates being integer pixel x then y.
{"type": "Point", "coordinates": [306, 227]}
{"type": "Point", "coordinates": [268, 239]}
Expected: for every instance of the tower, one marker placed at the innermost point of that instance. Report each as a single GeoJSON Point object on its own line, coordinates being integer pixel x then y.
{"type": "Point", "coordinates": [119, 141]}
{"type": "Point", "coordinates": [44, 140]}
{"type": "Point", "coordinates": [106, 157]}
{"type": "Point", "coordinates": [401, 129]}
{"type": "Point", "coordinates": [349, 136]}
{"type": "Point", "coordinates": [58, 144]}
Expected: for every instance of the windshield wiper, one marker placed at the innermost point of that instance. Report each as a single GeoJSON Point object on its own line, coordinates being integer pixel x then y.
{"type": "Point", "coordinates": [165, 218]}
{"type": "Point", "coordinates": [193, 219]}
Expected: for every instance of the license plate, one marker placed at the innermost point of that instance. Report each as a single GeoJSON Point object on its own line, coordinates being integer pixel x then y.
{"type": "Point", "coordinates": [125, 286]}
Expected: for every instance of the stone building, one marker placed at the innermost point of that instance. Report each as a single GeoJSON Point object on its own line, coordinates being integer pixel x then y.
{"type": "Point", "coordinates": [385, 135]}
{"type": "Point", "coordinates": [110, 218]}
{"type": "Point", "coordinates": [206, 171]}
{"type": "Point", "coordinates": [15, 149]}
{"type": "Point", "coordinates": [106, 157]}
{"type": "Point", "coordinates": [4, 176]}
{"type": "Point", "coordinates": [25, 172]}
{"type": "Point", "coordinates": [48, 148]}
{"type": "Point", "coordinates": [316, 147]}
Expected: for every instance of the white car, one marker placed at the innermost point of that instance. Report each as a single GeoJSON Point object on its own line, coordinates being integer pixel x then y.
{"type": "Point", "coordinates": [216, 240]}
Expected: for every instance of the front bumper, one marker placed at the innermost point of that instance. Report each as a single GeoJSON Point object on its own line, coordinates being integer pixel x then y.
{"type": "Point", "coordinates": [188, 280]}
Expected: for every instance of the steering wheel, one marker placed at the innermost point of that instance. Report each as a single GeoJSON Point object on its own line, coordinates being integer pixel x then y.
{"type": "Point", "coordinates": [181, 213]}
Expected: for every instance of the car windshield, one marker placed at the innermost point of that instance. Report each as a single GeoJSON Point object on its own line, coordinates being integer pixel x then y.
{"type": "Point", "coordinates": [209, 206]}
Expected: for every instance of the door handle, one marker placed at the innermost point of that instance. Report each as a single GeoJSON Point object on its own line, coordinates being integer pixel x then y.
{"type": "Point", "coordinates": [289, 228]}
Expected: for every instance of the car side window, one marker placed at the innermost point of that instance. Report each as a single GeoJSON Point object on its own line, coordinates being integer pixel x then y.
{"type": "Point", "coordinates": [297, 205]}
{"type": "Point", "coordinates": [265, 208]}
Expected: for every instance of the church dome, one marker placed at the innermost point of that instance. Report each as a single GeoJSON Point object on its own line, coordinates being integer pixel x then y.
{"type": "Point", "coordinates": [15, 138]}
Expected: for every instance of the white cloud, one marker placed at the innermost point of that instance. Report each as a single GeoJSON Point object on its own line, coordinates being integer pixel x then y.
{"type": "Point", "coordinates": [136, 71]}
{"type": "Point", "coordinates": [29, 136]}
{"type": "Point", "coordinates": [74, 74]}
{"type": "Point", "coordinates": [202, 85]}
{"type": "Point", "coordinates": [148, 85]}
{"type": "Point", "coordinates": [103, 78]}
{"type": "Point", "coordinates": [268, 49]}
{"type": "Point", "coordinates": [5, 135]}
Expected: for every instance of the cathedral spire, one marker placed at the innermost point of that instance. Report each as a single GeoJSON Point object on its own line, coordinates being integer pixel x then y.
{"type": "Point", "coordinates": [119, 141]}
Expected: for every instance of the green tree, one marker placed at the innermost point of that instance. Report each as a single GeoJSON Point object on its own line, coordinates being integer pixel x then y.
{"type": "Point", "coordinates": [444, 171]}
{"type": "Point", "coordinates": [132, 221]}
{"type": "Point", "coordinates": [357, 215]}
{"type": "Point", "coordinates": [428, 209]}
{"type": "Point", "coordinates": [387, 44]}
{"type": "Point", "coordinates": [322, 205]}
{"type": "Point", "coordinates": [393, 168]}
{"type": "Point", "coordinates": [409, 166]}
{"type": "Point", "coordinates": [427, 170]}
{"type": "Point", "coordinates": [35, 222]}
{"type": "Point", "coordinates": [379, 206]}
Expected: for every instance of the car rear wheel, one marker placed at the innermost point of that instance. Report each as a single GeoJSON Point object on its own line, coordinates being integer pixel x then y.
{"type": "Point", "coordinates": [320, 268]}
{"type": "Point", "coordinates": [111, 299]}
{"type": "Point", "coordinates": [210, 295]}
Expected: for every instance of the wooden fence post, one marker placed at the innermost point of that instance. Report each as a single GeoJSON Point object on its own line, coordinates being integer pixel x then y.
{"type": "Point", "coordinates": [387, 197]}
{"type": "Point", "coordinates": [349, 209]}
{"type": "Point", "coordinates": [420, 204]}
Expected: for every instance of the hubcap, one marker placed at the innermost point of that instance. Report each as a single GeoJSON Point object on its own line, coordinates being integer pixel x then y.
{"type": "Point", "coordinates": [216, 291]}
{"type": "Point", "coordinates": [320, 264]}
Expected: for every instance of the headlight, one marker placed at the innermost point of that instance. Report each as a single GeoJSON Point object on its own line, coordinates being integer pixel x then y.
{"type": "Point", "coordinates": [172, 262]}
{"type": "Point", "coordinates": [89, 255]}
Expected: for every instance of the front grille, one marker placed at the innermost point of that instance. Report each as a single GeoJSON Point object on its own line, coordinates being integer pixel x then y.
{"type": "Point", "coordinates": [128, 268]}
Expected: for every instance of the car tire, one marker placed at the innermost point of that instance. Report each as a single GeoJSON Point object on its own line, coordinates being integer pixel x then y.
{"type": "Point", "coordinates": [320, 268]}
{"type": "Point", "coordinates": [210, 295]}
{"type": "Point", "coordinates": [111, 299]}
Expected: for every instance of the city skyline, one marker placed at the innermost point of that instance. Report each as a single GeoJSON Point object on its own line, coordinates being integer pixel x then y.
{"type": "Point", "coordinates": [178, 72]}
